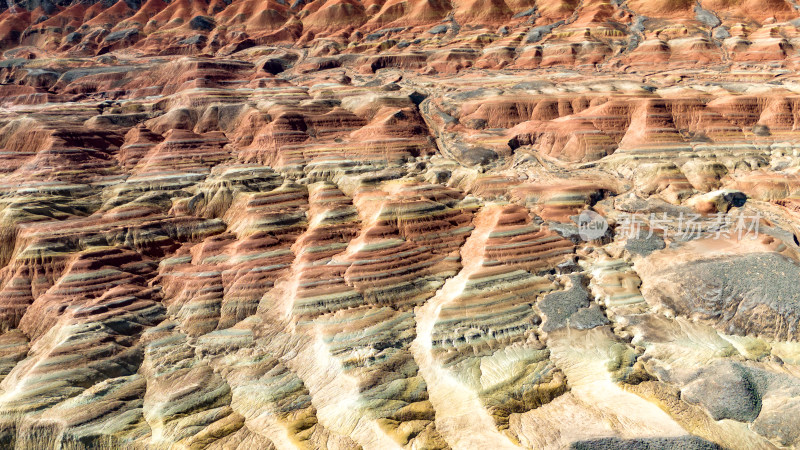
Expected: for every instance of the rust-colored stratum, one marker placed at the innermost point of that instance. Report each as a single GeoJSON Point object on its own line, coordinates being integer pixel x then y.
{"type": "Point", "coordinates": [386, 224]}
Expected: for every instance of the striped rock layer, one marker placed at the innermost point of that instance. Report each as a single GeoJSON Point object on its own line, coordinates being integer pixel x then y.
{"type": "Point", "coordinates": [343, 224]}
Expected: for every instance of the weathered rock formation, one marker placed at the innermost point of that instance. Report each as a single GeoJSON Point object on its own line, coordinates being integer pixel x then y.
{"type": "Point", "coordinates": [363, 224]}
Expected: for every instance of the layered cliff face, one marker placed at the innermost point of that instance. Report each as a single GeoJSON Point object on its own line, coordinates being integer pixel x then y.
{"type": "Point", "coordinates": [433, 36]}
{"type": "Point", "coordinates": [345, 224]}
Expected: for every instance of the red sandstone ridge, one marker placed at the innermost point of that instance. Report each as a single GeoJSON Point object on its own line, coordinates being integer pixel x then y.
{"type": "Point", "coordinates": [544, 34]}
{"type": "Point", "coordinates": [386, 224]}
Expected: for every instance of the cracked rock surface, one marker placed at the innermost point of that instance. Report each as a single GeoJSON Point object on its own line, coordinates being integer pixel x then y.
{"type": "Point", "coordinates": [353, 224]}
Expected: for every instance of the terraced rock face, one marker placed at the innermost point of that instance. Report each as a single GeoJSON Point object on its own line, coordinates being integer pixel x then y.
{"type": "Point", "coordinates": [400, 224]}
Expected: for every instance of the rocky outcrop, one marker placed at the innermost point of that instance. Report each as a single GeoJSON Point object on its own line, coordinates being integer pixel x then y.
{"type": "Point", "coordinates": [399, 224]}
